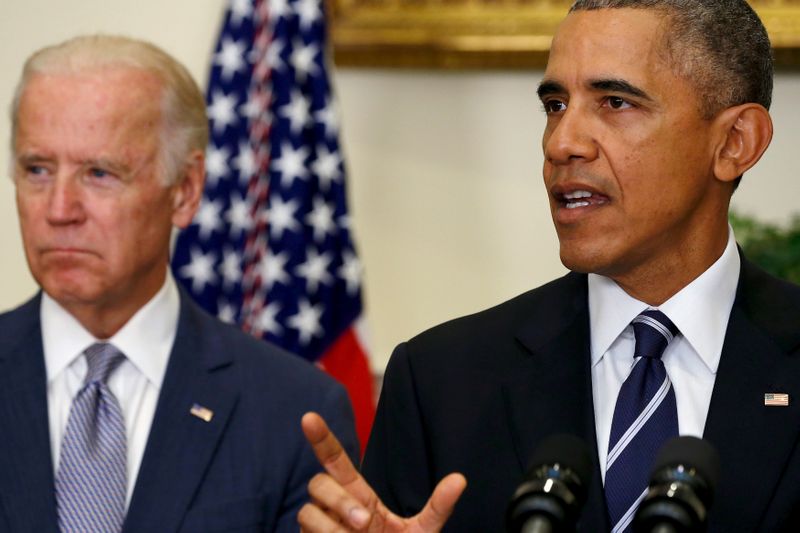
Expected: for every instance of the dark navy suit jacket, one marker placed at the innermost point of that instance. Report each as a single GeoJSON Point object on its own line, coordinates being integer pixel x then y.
{"type": "Point", "coordinates": [244, 470]}
{"type": "Point", "coordinates": [476, 395]}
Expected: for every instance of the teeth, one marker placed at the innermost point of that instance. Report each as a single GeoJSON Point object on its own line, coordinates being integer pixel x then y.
{"type": "Point", "coordinates": [573, 205]}
{"type": "Point", "coordinates": [574, 195]}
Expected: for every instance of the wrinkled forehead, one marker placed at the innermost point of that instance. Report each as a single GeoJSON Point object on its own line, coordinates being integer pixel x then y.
{"type": "Point", "coordinates": [623, 43]}
{"type": "Point", "coordinates": [119, 94]}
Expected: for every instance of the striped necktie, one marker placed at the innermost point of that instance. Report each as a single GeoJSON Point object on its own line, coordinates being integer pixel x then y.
{"type": "Point", "coordinates": [645, 417]}
{"type": "Point", "coordinates": [91, 480]}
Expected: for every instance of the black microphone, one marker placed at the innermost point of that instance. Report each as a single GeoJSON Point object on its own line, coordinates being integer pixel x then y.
{"type": "Point", "coordinates": [554, 490]}
{"type": "Point", "coordinates": [681, 488]}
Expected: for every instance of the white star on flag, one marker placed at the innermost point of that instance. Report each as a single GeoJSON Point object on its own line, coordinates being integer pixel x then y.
{"type": "Point", "coordinates": [273, 56]}
{"type": "Point", "coordinates": [207, 218]}
{"type": "Point", "coordinates": [240, 10]}
{"type": "Point", "coordinates": [216, 164]}
{"type": "Point", "coordinates": [238, 215]}
{"type": "Point", "coordinates": [230, 58]}
{"type": "Point", "coordinates": [302, 59]}
{"type": "Point", "coordinates": [231, 267]}
{"type": "Point", "coordinates": [226, 312]}
{"type": "Point", "coordinates": [245, 163]}
{"type": "Point", "coordinates": [279, 9]}
{"type": "Point", "coordinates": [350, 271]}
{"type": "Point", "coordinates": [291, 164]}
{"type": "Point", "coordinates": [222, 111]}
{"type": "Point", "coordinates": [306, 321]}
{"type": "Point", "coordinates": [280, 216]}
{"type": "Point", "coordinates": [200, 269]}
{"type": "Point", "coordinates": [327, 167]}
{"type": "Point", "coordinates": [308, 11]}
{"type": "Point", "coordinates": [266, 320]}
{"type": "Point", "coordinates": [328, 118]}
{"type": "Point", "coordinates": [296, 111]}
{"type": "Point", "coordinates": [315, 270]}
{"type": "Point", "coordinates": [272, 269]}
{"type": "Point", "coordinates": [321, 219]}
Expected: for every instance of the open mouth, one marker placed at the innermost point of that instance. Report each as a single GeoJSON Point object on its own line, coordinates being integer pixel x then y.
{"type": "Point", "coordinates": [580, 198]}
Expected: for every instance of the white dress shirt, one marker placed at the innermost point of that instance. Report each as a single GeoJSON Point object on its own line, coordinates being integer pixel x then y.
{"type": "Point", "coordinates": [700, 311]}
{"type": "Point", "coordinates": [146, 340]}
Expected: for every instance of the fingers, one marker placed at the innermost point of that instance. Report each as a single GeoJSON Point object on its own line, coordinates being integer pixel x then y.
{"type": "Point", "coordinates": [441, 503]}
{"type": "Point", "coordinates": [312, 519]}
{"type": "Point", "coordinates": [328, 450]}
{"type": "Point", "coordinates": [342, 491]}
{"type": "Point", "coordinates": [336, 501]}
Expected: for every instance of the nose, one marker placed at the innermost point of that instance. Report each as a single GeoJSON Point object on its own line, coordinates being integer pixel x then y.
{"type": "Point", "coordinates": [65, 204]}
{"type": "Point", "coordinates": [569, 138]}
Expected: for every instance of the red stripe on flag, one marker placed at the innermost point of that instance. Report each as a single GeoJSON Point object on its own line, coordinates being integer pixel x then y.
{"type": "Point", "coordinates": [346, 361]}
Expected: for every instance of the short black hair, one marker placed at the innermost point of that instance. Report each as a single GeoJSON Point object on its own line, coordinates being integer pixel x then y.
{"type": "Point", "coordinates": [721, 46]}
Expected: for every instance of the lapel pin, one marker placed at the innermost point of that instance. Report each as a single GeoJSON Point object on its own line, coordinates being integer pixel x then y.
{"type": "Point", "coordinates": [779, 399]}
{"type": "Point", "coordinates": [201, 412]}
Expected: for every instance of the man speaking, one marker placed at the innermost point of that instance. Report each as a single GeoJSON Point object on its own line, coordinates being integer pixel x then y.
{"type": "Point", "coordinates": [123, 406]}
{"type": "Point", "coordinates": [655, 109]}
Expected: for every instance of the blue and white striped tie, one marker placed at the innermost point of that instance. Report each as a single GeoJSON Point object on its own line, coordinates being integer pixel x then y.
{"type": "Point", "coordinates": [645, 417]}
{"type": "Point", "coordinates": [91, 479]}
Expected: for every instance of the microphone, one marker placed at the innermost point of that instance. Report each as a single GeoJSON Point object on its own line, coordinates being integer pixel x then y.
{"type": "Point", "coordinates": [554, 489]}
{"type": "Point", "coordinates": [681, 488]}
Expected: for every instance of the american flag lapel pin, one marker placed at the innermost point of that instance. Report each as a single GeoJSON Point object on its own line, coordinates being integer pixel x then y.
{"type": "Point", "coordinates": [776, 399]}
{"type": "Point", "coordinates": [201, 412]}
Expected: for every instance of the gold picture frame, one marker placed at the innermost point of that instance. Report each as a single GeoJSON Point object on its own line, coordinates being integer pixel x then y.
{"type": "Point", "coordinates": [487, 34]}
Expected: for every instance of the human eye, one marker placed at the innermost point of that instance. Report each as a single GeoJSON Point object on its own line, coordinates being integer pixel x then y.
{"type": "Point", "coordinates": [552, 106]}
{"type": "Point", "coordinates": [618, 103]}
{"type": "Point", "coordinates": [34, 172]}
{"type": "Point", "coordinates": [99, 175]}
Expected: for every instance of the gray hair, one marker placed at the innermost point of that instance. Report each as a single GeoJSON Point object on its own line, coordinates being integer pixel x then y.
{"type": "Point", "coordinates": [184, 127]}
{"type": "Point", "coordinates": [720, 46]}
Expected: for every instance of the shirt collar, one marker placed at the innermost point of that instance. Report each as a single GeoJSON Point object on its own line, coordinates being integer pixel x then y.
{"type": "Point", "coordinates": [146, 339]}
{"type": "Point", "coordinates": [700, 310]}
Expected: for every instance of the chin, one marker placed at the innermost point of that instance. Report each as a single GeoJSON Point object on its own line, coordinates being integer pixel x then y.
{"type": "Point", "coordinates": [581, 260]}
{"type": "Point", "coordinates": [69, 290]}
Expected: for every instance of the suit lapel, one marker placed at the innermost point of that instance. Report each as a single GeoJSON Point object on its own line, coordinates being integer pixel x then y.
{"type": "Point", "coordinates": [26, 468]}
{"type": "Point", "coordinates": [753, 440]}
{"type": "Point", "coordinates": [181, 445]}
{"type": "Point", "coordinates": [557, 375]}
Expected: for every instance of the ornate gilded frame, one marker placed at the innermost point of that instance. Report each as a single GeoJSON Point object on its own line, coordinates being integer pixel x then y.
{"type": "Point", "coordinates": [463, 34]}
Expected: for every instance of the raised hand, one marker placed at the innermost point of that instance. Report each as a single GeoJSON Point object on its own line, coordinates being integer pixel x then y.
{"type": "Point", "coordinates": [341, 500]}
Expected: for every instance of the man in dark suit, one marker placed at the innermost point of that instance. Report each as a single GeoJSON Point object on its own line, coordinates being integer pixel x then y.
{"type": "Point", "coordinates": [654, 109]}
{"type": "Point", "coordinates": [124, 406]}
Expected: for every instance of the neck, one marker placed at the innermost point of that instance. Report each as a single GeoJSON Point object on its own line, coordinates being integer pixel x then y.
{"type": "Point", "coordinates": [103, 319]}
{"type": "Point", "coordinates": [657, 283]}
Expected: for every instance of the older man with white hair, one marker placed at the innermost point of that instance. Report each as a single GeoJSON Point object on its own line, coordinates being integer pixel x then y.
{"type": "Point", "coordinates": [123, 406]}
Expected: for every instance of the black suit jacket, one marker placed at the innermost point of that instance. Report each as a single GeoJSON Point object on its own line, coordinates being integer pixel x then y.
{"type": "Point", "coordinates": [245, 470]}
{"type": "Point", "coordinates": [476, 395]}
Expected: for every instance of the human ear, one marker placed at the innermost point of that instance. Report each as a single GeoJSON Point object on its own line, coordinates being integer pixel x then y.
{"type": "Point", "coordinates": [746, 132]}
{"type": "Point", "coordinates": [188, 191]}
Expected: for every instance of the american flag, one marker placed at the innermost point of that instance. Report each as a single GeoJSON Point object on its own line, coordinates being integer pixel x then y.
{"type": "Point", "coordinates": [780, 399]}
{"type": "Point", "coordinates": [271, 247]}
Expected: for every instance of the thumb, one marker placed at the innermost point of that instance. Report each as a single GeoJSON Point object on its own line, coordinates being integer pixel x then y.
{"type": "Point", "coordinates": [441, 503]}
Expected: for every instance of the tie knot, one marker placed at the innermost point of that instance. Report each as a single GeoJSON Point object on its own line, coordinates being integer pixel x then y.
{"type": "Point", "coordinates": [653, 332]}
{"type": "Point", "coordinates": [102, 358]}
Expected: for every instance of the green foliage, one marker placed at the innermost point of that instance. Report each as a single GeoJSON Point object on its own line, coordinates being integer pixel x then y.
{"type": "Point", "coordinates": [775, 249]}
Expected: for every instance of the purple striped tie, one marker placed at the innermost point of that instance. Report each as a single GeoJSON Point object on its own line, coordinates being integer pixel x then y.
{"type": "Point", "coordinates": [91, 479]}
{"type": "Point", "coordinates": [645, 417]}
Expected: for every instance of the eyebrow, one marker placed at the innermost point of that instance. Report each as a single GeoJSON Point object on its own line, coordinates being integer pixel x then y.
{"type": "Point", "coordinates": [548, 87]}
{"type": "Point", "coordinates": [618, 86]}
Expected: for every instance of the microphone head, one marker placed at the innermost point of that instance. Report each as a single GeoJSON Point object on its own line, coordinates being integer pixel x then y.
{"type": "Point", "coordinates": [682, 485]}
{"type": "Point", "coordinates": [555, 486]}
{"type": "Point", "coordinates": [696, 455]}
{"type": "Point", "coordinates": [563, 449]}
